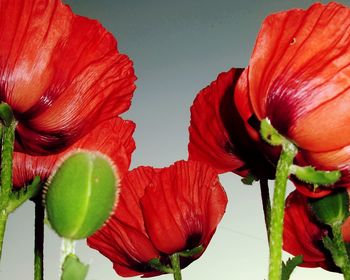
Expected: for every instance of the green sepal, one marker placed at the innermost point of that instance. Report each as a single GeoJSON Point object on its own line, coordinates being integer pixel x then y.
{"type": "Point", "coordinates": [270, 134]}
{"type": "Point", "coordinates": [6, 114]}
{"type": "Point", "coordinates": [310, 175]}
{"type": "Point", "coordinates": [73, 269]}
{"type": "Point", "coordinates": [156, 264]}
{"type": "Point", "coordinates": [81, 194]}
{"type": "Point", "coordinates": [290, 265]}
{"type": "Point", "coordinates": [249, 179]}
{"type": "Point", "coordinates": [332, 209]}
{"type": "Point", "coordinates": [192, 252]}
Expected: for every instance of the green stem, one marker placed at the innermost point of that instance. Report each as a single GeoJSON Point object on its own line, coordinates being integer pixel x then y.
{"type": "Point", "coordinates": [6, 162]}
{"type": "Point", "coordinates": [276, 228]}
{"type": "Point", "coordinates": [39, 240]}
{"type": "Point", "coordinates": [175, 264]}
{"type": "Point", "coordinates": [265, 199]}
{"type": "Point", "coordinates": [3, 220]}
{"type": "Point", "coordinates": [341, 259]}
{"type": "Point", "coordinates": [7, 142]}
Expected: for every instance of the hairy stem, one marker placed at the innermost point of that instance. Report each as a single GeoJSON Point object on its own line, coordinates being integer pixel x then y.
{"type": "Point", "coordinates": [277, 214]}
{"type": "Point", "coordinates": [340, 257]}
{"type": "Point", "coordinates": [175, 264]}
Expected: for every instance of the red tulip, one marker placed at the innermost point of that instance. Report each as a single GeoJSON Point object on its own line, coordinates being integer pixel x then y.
{"type": "Point", "coordinates": [217, 133]}
{"type": "Point", "coordinates": [112, 138]}
{"type": "Point", "coordinates": [299, 78]}
{"type": "Point", "coordinates": [161, 212]}
{"type": "Point", "coordinates": [61, 74]}
{"type": "Point", "coordinates": [302, 234]}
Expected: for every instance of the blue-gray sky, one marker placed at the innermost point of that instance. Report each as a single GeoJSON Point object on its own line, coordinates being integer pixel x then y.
{"type": "Point", "coordinates": [178, 47]}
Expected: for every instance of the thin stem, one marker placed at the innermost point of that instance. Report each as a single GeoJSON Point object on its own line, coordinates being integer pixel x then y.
{"type": "Point", "coordinates": [175, 264]}
{"type": "Point", "coordinates": [39, 240]}
{"type": "Point", "coordinates": [341, 259]}
{"type": "Point", "coordinates": [265, 199]}
{"type": "Point", "coordinates": [276, 228]}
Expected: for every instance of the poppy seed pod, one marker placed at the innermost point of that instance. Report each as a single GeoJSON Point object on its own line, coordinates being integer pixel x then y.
{"type": "Point", "coordinates": [81, 194]}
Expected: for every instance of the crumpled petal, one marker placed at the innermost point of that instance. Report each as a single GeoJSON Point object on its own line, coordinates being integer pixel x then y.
{"type": "Point", "coordinates": [302, 234]}
{"type": "Point", "coordinates": [299, 75]}
{"type": "Point", "coordinates": [161, 212]}
{"type": "Point", "coordinates": [218, 134]}
{"type": "Point", "coordinates": [183, 206]}
{"type": "Point", "coordinates": [124, 239]}
{"type": "Point", "coordinates": [61, 74]}
{"type": "Point", "coordinates": [112, 138]}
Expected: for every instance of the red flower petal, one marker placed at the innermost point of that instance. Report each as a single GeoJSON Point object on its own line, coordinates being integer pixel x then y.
{"type": "Point", "coordinates": [299, 78]}
{"type": "Point", "coordinates": [127, 247]}
{"type": "Point", "coordinates": [60, 73]}
{"type": "Point", "coordinates": [183, 206]}
{"type": "Point", "coordinates": [161, 212]}
{"type": "Point", "coordinates": [218, 134]}
{"type": "Point", "coordinates": [209, 139]}
{"type": "Point", "coordinates": [299, 75]}
{"type": "Point", "coordinates": [124, 239]}
{"type": "Point", "coordinates": [302, 235]}
{"type": "Point", "coordinates": [112, 138]}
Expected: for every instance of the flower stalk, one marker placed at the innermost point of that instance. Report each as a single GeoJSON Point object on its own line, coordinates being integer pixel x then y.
{"type": "Point", "coordinates": [39, 240]}
{"type": "Point", "coordinates": [175, 264]}
{"type": "Point", "coordinates": [7, 131]}
{"type": "Point", "coordinates": [342, 258]}
{"type": "Point", "coordinates": [266, 203]}
{"type": "Point", "coordinates": [288, 153]}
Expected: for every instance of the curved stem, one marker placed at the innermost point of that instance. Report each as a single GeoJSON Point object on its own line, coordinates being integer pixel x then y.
{"type": "Point", "coordinates": [39, 240]}
{"type": "Point", "coordinates": [341, 258]}
{"type": "Point", "coordinates": [276, 228]}
{"type": "Point", "coordinates": [265, 199]}
{"type": "Point", "coordinates": [175, 264]}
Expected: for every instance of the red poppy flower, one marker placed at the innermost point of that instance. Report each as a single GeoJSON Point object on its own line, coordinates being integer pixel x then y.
{"type": "Point", "coordinates": [112, 138]}
{"type": "Point", "coordinates": [217, 133]}
{"type": "Point", "coordinates": [161, 212]}
{"type": "Point", "coordinates": [299, 78]}
{"type": "Point", "coordinates": [302, 234]}
{"type": "Point", "coordinates": [61, 74]}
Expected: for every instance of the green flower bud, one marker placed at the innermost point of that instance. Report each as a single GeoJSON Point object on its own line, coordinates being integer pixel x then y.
{"type": "Point", "coordinates": [332, 209]}
{"type": "Point", "coordinates": [81, 194]}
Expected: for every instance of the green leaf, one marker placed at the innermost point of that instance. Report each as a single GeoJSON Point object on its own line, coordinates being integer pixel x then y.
{"type": "Point", "coordinates": [310, 175]}
{"type": "Point", "coordinates": [73, 269]}
{"type": "Point", "coordinates": [269, 134]}
{"type": "Point", "coordinates": [18, 197]}
{"type": "Point", "coordinates": [332, 209]}
{"type": "Point", "coordinates": [290, 265]}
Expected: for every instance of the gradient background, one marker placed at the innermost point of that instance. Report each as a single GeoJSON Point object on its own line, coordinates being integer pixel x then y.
{"type": "Point", "coordinates": [178, 47]}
